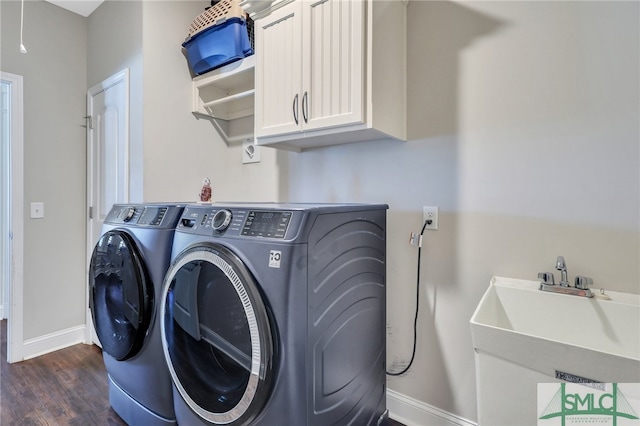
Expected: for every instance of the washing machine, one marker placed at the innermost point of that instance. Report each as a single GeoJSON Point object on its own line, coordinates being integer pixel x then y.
{"type": "Point", "coordinates": [126, 272]}
{"type": "Point", "coordinates": [274, 315]}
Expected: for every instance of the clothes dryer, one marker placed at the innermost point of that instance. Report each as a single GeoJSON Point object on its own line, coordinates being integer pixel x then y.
{"type": "Point", "coordinates": [127, 268]}
{"type": "Point", "coordinates": [274, 315]}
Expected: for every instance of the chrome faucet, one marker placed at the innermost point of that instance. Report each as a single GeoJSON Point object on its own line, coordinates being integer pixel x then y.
{"type": "Point", "coordinates": [562, 267]}
{"type": "Point", "coordinates": [581, 287]}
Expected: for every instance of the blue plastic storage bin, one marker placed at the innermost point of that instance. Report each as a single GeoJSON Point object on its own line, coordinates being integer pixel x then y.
{"type": "Point", "coordinates": [218, 46]}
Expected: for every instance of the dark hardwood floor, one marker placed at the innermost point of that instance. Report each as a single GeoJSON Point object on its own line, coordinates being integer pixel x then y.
{"type": "Point", "coordinates": [66, 387]}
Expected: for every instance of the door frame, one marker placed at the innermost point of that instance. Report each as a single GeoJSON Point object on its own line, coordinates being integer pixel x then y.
{"type": "Point", "coordinates": [121, 77]}
{"type": "Point", "coordinates": [16, 220]}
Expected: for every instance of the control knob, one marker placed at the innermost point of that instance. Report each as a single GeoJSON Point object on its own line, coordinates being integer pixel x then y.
{"type": "Point", "coordinates": [127, 214]}
{"type": "Point", "coordinates": [221, 220]}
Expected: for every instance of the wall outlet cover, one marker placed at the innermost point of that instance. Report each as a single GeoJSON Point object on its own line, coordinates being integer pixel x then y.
{"type": "Point", "coordinates": [250, 152]}
{"type": "Point", "coordinates": [430, 213]}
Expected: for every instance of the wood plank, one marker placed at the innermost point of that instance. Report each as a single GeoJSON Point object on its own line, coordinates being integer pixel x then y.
{"type": "Point", "coordinates": [66, 387]}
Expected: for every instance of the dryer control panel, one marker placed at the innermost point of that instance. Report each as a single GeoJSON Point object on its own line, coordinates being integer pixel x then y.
{"type": "Point", "coordinates": [144, 215]}
{"type": "Point", "coordinates": [239, 222]}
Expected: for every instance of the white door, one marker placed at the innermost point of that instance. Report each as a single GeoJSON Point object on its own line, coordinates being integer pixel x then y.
{"type": "Point", "coordinates": [309, 67]}
{"type": "Point", "coordinates": [332, 63]}
{"type": "Point", "coordinates": [278, 97]}
{"type": "Point", "coordinates": [107, 158]}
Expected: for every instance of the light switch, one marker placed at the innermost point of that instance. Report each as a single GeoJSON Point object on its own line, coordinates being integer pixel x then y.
{"type": "Point", "coordinates": [37, 210]}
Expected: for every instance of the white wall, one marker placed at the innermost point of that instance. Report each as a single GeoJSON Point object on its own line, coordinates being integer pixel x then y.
{"type": "Point", "coordinates": [171, 151]}
{"type": "Point", "coordinates": [179, 150]}
{"type": "Point", "coordinates": [524, 129]}
{"type": "Point", "coordinates": [54, 71]}
{"type": "Point", "coordinates": [115, 43]}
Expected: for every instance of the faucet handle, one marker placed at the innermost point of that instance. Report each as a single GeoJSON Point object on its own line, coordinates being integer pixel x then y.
{"type": "Point", "coordinates": [583, 282]}
{"type": "Point", "coordinates": [547, 277]}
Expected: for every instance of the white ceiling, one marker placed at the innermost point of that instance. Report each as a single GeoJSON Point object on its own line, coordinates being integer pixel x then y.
{"type": "Point", "coordinates": [81, 7]}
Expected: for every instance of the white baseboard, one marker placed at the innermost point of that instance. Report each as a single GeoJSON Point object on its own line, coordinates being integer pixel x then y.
{"type": "Point", "coordinates": [2, 313]}
{"type": "Point", "coordinates": [53, 342]}
{"type": "Point", "coordinates": [411, 412]}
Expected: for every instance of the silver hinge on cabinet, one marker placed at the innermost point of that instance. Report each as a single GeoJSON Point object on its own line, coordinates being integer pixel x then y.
{"type": "Point", "coordinates": [91, 212]}
{"type": "Point", "coordinates": [89, 122]}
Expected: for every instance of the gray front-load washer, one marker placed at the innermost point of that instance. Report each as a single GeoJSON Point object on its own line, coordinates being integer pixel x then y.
{"type": "Point", "coordinates": [126, 272]}
{"type": "Point", "coordinates": [274, 315]}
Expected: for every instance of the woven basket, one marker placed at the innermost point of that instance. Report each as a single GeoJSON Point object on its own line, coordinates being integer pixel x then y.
{"type": "Point", "coordinates": [222, 10]}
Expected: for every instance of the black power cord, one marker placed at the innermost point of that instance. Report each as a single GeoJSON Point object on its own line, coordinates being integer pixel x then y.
{"type": "Point", "coordinates": [415, 319]}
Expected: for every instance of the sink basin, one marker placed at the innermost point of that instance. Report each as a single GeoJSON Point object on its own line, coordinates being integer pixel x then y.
{"type": "Point", "coordinates": [523, 336]}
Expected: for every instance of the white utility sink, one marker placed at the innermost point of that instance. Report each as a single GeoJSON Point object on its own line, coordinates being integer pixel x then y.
{"type": "Point", "coordinates": [523, 336]}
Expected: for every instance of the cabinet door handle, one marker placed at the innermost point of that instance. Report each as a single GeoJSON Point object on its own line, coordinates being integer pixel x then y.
{"type": "Point", "coordinates": [305, 107]}
{"type": "Point", "coordinates": [295, 108]}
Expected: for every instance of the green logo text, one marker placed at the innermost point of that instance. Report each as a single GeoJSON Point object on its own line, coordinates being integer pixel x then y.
{"type": "Point", "coordinates": [588, 403]}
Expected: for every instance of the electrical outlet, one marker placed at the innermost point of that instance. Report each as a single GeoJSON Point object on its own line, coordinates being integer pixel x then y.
{"type": "Point", "coordinates": [250, 152]}
{"type": "Point", "coordinates": [430, 213]}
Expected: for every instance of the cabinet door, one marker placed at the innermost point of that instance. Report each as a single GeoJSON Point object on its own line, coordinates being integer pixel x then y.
{"type": "Point", "coordinates": [333, 63]}
{"type": "Point", "coordinates": [278, 98]}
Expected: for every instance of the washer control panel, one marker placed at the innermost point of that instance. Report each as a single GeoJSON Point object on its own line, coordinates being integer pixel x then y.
{"type": "Point", "coordinates": [270, 224]}
{"type": "Point", "coordinates": [152, 216]}
{"type": "Point", "coordinates": [239, 222]}
{"type": "Point", "coordinates": [143, 215]}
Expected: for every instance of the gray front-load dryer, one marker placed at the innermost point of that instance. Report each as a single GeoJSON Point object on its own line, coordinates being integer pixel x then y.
{"type": "Point", "coordinates": [274, 315]}
{"type": "Point", "coordinates": [126, 272]}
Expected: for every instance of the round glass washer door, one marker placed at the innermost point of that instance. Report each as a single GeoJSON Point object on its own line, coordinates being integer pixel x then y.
{"type": "Point", "coordinates": [121, 295]}
{"type": "Point", "coordinates": [216, 335]}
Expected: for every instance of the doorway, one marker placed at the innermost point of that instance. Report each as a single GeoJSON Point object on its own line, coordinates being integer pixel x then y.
{"type": "Point", "coordinates": [11, 209]}
{"type": "Point", "coordinates": [107, 159]}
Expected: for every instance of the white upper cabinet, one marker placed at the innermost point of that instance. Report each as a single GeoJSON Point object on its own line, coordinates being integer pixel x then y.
{"type": "Point", "coordinates": [279, 79]}
{"type": "Point", "coordinates": [330, 72]}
